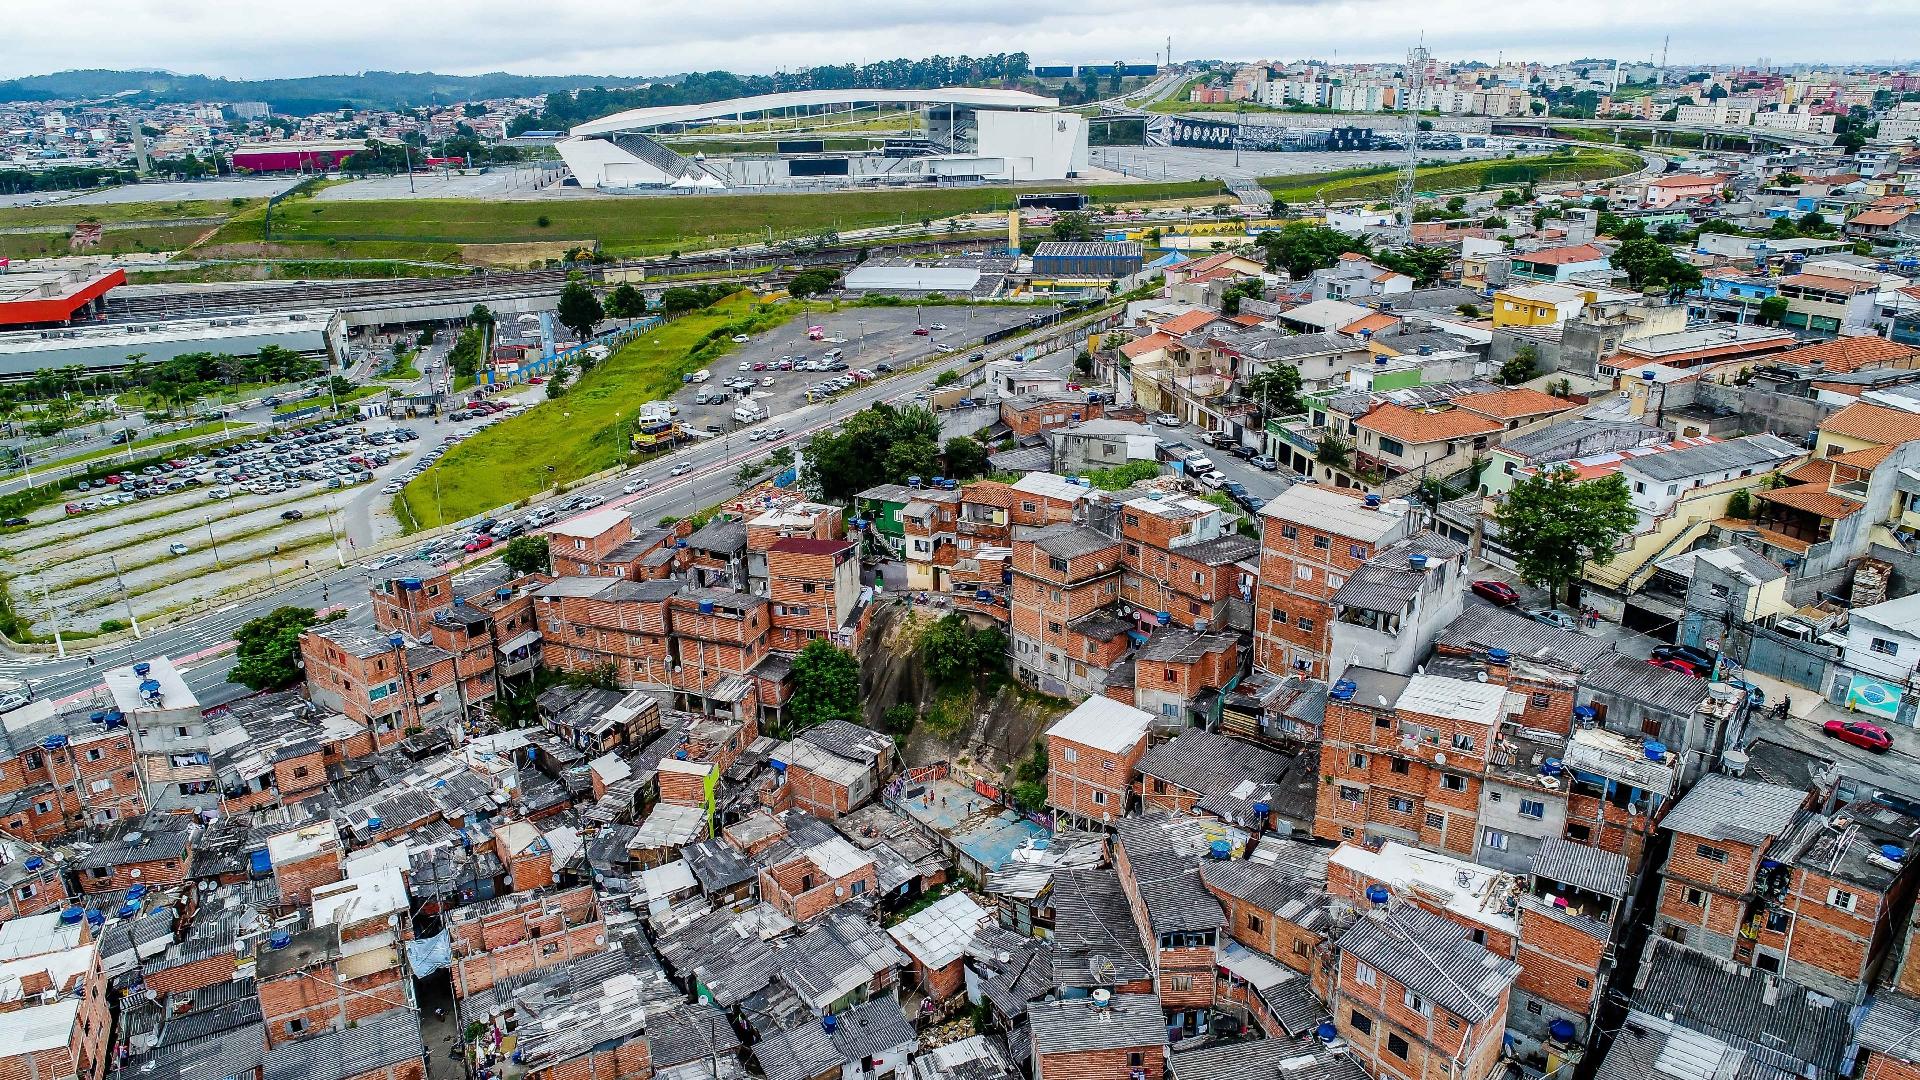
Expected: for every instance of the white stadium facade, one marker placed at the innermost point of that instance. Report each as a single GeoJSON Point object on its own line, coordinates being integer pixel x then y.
{"type": "Point", "coordinates": [971, 134]}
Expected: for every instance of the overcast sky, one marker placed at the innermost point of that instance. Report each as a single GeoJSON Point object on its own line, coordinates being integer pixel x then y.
{"type": "Point", "coordinates": [285, 38]}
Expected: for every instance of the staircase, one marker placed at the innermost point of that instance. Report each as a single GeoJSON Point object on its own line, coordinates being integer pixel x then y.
{"type": "Point", "coordinates": [672, 164]}
{"type": "Point", "coordinates": [1250, 192]}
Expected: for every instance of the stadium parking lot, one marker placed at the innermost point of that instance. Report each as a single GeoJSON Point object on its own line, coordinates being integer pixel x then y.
{"type": "Point", "coordinates": [203, 524]}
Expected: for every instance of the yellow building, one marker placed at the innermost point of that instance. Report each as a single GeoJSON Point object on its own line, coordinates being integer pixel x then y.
{"type": "Point", "coordinates": [1540, 305]}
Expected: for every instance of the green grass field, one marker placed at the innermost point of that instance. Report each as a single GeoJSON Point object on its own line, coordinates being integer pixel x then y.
{"type": "Point", "coordinates": [112, 241]}
{"type": "Point", "coordinates": [1380, 182]}
{"type": "Point", "coordinates": [195, 431]}
{"type": "Point", "coordinates": [585, 430]}
{"type": "Point", "coordinates": [110, 213]}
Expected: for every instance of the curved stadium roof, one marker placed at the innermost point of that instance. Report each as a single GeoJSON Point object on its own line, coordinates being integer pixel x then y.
{"type": "Point", "coordinates": [977, 97]}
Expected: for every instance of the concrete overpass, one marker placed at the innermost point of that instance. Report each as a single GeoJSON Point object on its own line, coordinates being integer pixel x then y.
{"type": "Point", "coordinates": [1714, 136]}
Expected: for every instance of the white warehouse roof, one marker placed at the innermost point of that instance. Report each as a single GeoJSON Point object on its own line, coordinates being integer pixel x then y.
{"type": "Point", "coordinates": [972, 97]}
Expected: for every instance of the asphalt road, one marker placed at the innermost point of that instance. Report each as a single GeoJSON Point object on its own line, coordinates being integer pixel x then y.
{"type": "Point", "coordinates": [202, 646]}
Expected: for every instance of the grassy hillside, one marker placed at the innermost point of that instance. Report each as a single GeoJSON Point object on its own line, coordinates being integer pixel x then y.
{"type": "Point", "coordinates": [1380, 181]}
{"type": "Point", "coordinates": [585, 430]}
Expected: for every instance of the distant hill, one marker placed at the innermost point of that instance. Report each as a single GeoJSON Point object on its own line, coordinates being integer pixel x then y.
{"type": "Point", "coordinates": [301, 97]}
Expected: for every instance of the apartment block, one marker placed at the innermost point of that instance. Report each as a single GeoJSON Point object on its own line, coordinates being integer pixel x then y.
{"type": "Point", "coordinates": [382, 683]}
{"type": "Point", "coordinates": [1093, 753]}
{"type": "Point", "coordinates": [1312, 539]}
{"type": "Point", "coordinates": [1721, 830]}
{"type": "Point", "coordinates": [1184, 559]}
{"type": "Point", "coordinates": [1064, 575]}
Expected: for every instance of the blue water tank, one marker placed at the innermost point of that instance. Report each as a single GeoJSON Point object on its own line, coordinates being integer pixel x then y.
{"type": "Point", "coordinates": [279, 939]}
{"type": "Point", "coordinates": [142, 668]}
{"type": "Point", "coordinates": [1373, 500]}
{"type": "Point", "coordinates": [136, 892]}
{"type": "Point", "coordinates": [1583, 712]}
{"type": "Point", "coordinates": [410, 583]}
{"type": "Point", "coordinates": [373, 823]}
{"type": "Point", "coordinates": [1163, 617]}
{"type": "Point", "coordinates": [115, 718]}
{"type": "Point", "coordinates": [395, 641]}
{"type": "Point", "coordinates": [1562, 1030]}
{"type": "Point", "coordinates": [1326, 1031]}
{"type": "Point", "coordinates": [706, 607]}
{"type": "Point", "coordinates": [1553, 766]}
{"type": "Point", "coordinates": [150, 686]}
{"type": "Point", "coordinates": [1891, 851]}
{"type": "Point", "coordinates": [1417, 561]}
{"type": "Point", "coordinates": [829, 1022]}
{"type": "Point", "coordinates": [1498, 657]}
{"type": "Point", "coordinates": [983, 594]}
{"type": "Point", "coordinates": [1260, 810]}
{"type": "Point", "coordinates": [1219, 849]}
{"type": "Point", "coordinates": [96, 917]}
{"type": "Point", "coordinates": [1378, 894]}
{"type": "Point", "coordinates": [98, 716]}
{"type": "Point", "coordinates": [1343, 690]}
{"type": "Point", "coordinates": [913, 482]}
{"type": "Point", "coordinates": [1654, 749]}
{"type": "Point", "coordinates": [260, 862]}
{"type": "Point", "coordinates": [73, 915]}
{"type": "Point", "coordinates": [54, 742]}
{"type": "Point", "coordinates": [127, 911]}
{"type": "Point", "coordinates": [35, 862]}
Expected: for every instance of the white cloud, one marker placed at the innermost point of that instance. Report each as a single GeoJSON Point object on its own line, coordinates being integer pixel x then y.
{"type": "Point", "coordinates": [631, 37]}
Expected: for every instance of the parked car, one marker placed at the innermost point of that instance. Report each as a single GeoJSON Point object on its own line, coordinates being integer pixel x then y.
{"type": "Point", "coordinates": [1263, 463]}
{"type": "Point", "coordinates": [1554, 618]}
{"type": "Point", "coordinates": [177, 548]}
{"type": "Point", "coordinates": [1167, 420]}
{"type": "Point", "coordinates": [478, 543]}
{"type": "Point", "coordinates": [291, 515]}
{"type": "Point", "coordinates": [1860, 733]}
{"type": "Point", "coordinates": [1755, 696]}
{"type": "Point", "coordinates": [1675, 663]}
{"type": "Point", "coordinates": [1699, 658]}
{"type": "Point", "coordinates": [1496, 592]}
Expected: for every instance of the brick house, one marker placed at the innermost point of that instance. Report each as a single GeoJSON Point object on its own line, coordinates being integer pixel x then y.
{"type": "Point", "coordinates": [1278, 909]}
{"type": "Point", "coordinates": [1886, 1037]}
{"type": "Point", "coordinates": [1183, 557]}
{"type": "Point", "coordinates": [1417, 998]}
{"type": "Point", "coordinates": [811, 869]}
{"type": "Point", "coordinates": [936, 939]}
{"type": "Point", "coordinates": [833, 768]}
{"type": "Point", "coordinates": [1063, 574]}
{"type": "Point", "coordinates": [54, 1018]}
{"type": "Point", "coordinates": [62, 769]}
{"type": "Point", "coordinates": [1031, 414]}
{"type": "Point", "coordinates": [380, 682]}
{"type": "Point", "coordinates": [1311, 539]}
{"type": "Point", "coordinates": [1574, 911]}
{"type": "Point", "coordinates": [1106, 1037]}
{"type": "Point", "coordinates": [30, 882]}
{"type": "Point", "coordinates": [814, 585]}
{"type": "Point", "coordinates": [1177, 918]}
{"type": "Point", "coordinates": [1406, 756]}
{"type": "Point", "coordinates": [583, 546]}
{"type": "Point", "coordinates": [155, 851]}
{"type": "Point", "coordinates": [521, 933]}
{"type": "Point", "coordinates": [1093, 754]}
{"type": "Point", "coordinates": [304, 858]}
{"type": "Point", "coordinates": [1204, 774]}
{"type": "Point", "coordinates": [409, 595]}
{"type": "Point", "coordinates": [526, 854]}
{"type": "Point", "coordinates": [1720, 831]}
{"type": "Point", "coordinates": [307, 983]}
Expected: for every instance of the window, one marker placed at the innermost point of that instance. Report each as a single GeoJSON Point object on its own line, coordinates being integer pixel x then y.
{"type": "Point", "coordinates": [1840, 898]}
{"type": "Point", "coordinates": [1289, 532]}
{"type": "Point", "coordinates": [1106, 765]}
{"type": "Point", "coordinates": [1135, 1060]}
{"type": "Point", "coordinates": [1362, 974]}
{"type": "Point", "coordinates": [1389, 446]}
{"type": "Point", "coordinates": [1361, 1022]}
{"type": "Point", "coordinates": [296, 1026]}
{"type": "Point", "coordinates": [1304, 623]}
{"type": "Point", "coordinates": [26, 892]}
{"type": "Point", "coordinates": [1356, 551]}
{"type": "Point", "coordinates": [1462, 741]}
{"type": "Point", "coordinates": [1253, 923]}
{"type": "Point", "coordinates": [1069, 755]}
{"type": "Point", "coordinates": [1322, 542]}
{"type": "Point", "coordinates": [1436, 821]}
{"type": "Point", "coordinates": [1582, 983]}
{"type": "Point", "coordinates": [1478, 935]}
{"type": "Point", "coordinates": [807, 586]}
{"type": "Point", "coordinates": [1533, 808]}
{"type": "Point", "coordinates": [1696, 898]}
{"type": "Point", "coordinates": [1057, 564]}
{"type": "Point", "coordinates": [1345, 833]}
{"type": "Point", "coordinates": [1453, 783]}
{"type": "Point", "coordinates": [1396, 1046]}
{"type": "Point", "coordinates": [1350, 794]}
{"type": "Point", "coordinates": [1580, 833]}
{"type": "Point", "coordinates": [1358, 761]}
{"type": "Point", "coordinates": [1304, 573]}
{"type": "Point", "coordinates": [1400, 767]}
{"type": "Point", "coordinates": [1399, 805]}
{"type": "Point", "coordinates": [1539, 701]}
{"type": "Point", "coordinates": [858, 888]}
{"type": "Point", "coordinates": [1280, 617]}
{"type": "Point", "coordinates": [1885, 647]}
{"type": "Point", "coordinates": [1180, 983]}
{"type": "Point", "coordinates": [1099, 798]}
{"type": "Point", "coordinates": [1299, 948]}
{"type": "Point", "coordinates": [1533, 1007]}
{"type": "Point", "coordinates": [1416, 1003]}
{"type": "Point", "coordinates": [1494, 840]}
{"type": "Point", "coordinates": [1711, 854]}
{"type": "Point", "coordinates": [93, 753]}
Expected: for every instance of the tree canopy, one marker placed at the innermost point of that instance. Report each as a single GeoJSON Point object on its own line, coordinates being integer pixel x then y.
{"type": "Point", "coordinates": [882, 444]}
{"type": "Point", "coordinates": [826, 685]}
{"type": "Point", "coordinates": [269, 649]}
{"type": "Point", "coordinates": [1555, 524]}
{"type": "Point", "coordinates": [953, 652]}
{"type": "Point", "coordinates": [1300, 247]}
{"type": "Point", "coordinates": [579, 310]}
{"type": "Point", "coordinates": [526, 554]}
{"type": "Point", "coordinates": [1650, 266]}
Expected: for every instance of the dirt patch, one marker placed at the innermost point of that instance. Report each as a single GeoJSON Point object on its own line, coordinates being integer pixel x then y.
{"type": "Point", "coordinates": [514, 256]}
{"type": "Point", "coordinates": [248, 251]}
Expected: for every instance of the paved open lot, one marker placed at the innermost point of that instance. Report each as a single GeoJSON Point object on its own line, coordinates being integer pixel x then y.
{"type": "Point", "coordinates": [1185, 163]}
{"type": "Point", "coordinates": [183, 191]}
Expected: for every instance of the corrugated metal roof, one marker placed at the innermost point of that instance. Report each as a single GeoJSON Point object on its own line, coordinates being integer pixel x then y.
{"type": "Point", "coordinates": [1582, 866]}
{"type": "Point", "coordinates": [1266, 1059]}
{"type": "Point", "coordinates": [1892, 1025]}
{"type": "Point", "coordinates": [374, 1042]}
{"type": "Point", "coordinates": [1433, 957]}
{"type": "Point", "coordinates": [1656, 687]}
{"type": "Point", "coordinates": [1297, 900]}
{"type": "Point", "coordinates": [1779, 1023]}
{"type": "Point", "coordinates": [1074, 1024]}
{"type": "Point", "coordinates": [1721, 807]}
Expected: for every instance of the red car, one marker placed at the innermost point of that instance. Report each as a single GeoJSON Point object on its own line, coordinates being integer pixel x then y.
{"type": "Point", "coordinates": [1497, 592]}
{"type": "Point", "coordinates": [1679, 664]}
{"type": "Point", "coordinates": [479, 543]}
{"type": "Point", "coordinates": [537, 380]}
{"type": "Point", "coordinates": [1860, 733]}
{"type": "Point", "coordinates": [921, 331]}
{"type": "Point", "coordinates": [760, 366]}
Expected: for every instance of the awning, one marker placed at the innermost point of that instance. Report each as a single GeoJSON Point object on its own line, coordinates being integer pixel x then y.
{"type": "Point", "coordinates": [519, 641]}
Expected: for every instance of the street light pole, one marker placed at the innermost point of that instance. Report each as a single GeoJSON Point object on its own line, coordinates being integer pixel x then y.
{"type": "Point", "coordinates": [342, 559]}
{"type": "Point", "coordinates": [211, 542]}
{"type": "Point", "coordinates": [114, 563]}
{"type": "Point", "coordinates": [53, 616]}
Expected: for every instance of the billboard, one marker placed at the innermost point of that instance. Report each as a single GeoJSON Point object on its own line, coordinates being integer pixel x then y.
{"type": "Point", "coordinates": [1062, 71]}
{"type": "Point", "coordinates": [800, 146]}
{"type": "Point", "coordinates": [1204, 134]}
{"type": "Point", "coordinates": [817, 167]}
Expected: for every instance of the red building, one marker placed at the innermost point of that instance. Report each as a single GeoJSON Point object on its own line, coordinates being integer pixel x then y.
{"type": "Point", "coordinates": [295, 156]}
{"type": "Point", "coordinates": [48, 299]}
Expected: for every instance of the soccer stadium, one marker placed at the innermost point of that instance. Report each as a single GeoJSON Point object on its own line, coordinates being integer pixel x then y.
{"type": "Point", "coordinates": [965, 135]}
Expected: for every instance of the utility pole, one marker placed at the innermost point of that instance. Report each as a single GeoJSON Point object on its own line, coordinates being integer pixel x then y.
{"type": "Point", "coordinates": [1409, 168]}
{"type": "Point", "coordinates": [53, 616]}
{"type": "Point", "coordinates": [114, 563]}
{"type": "Point", "coordinates": [211, 542]}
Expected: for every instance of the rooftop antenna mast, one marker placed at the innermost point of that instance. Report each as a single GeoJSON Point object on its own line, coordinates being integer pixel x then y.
{"type": "Point", "coordinates": [1409, 168]}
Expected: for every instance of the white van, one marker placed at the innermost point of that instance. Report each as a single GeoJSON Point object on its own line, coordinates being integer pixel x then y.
{"type": "Point", "coordinates": [750, 411]}
{"type": "Point", "coordinates": [701, 376]}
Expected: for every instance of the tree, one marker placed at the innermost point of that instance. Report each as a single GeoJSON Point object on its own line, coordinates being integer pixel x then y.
{"type": "Point", "coordinates": [1277, 388]}
{"type": "Point", "coordinates": [882, 444]}
{"type": "Point", "coordinates": [526, 554]}
{"type": "Point", "coordinates": [1238, 291]}
{"type": "Point", "coordinates": [1523, 366]}
{"type": "Point", "coordinates": [1650, 266]}
{"type": "Point", "coordinates": [812, 283]}
{"type": "Point", "coordinates": [625, 302]}
{"type": "Point", "coordinates": [826, 685]}
{"type": "Point", "coordinates": [1555, 524]}
{"type": "Point", "coordinates": [579, 310]}
{"type": "Point", "coordinates": [1773, 309]}
{"type": "Point", "coordinates": [1076, 226]}
{"type": "Point", "coordinates": [481, 315]}
{"type": "Point", "coordinates": [1424, 265]}
{"type": "Point", "coordinates": [953, 652]}
{"type": "Point", "coordinates": [966, 457]}
{"type": "Point", "coordinates": [1301, 247]}
{"type": "Point", "coordinates": [269, 649]}
{"type": "Point", "coordinates": [1333, 452]}
{"type": "Point", "coordinates": [1740, 505]}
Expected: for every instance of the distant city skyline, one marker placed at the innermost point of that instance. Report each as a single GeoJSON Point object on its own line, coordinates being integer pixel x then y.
{"type": "Point", "coordinates": [579, 37]}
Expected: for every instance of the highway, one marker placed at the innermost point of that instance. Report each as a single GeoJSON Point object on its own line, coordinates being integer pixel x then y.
{"type": "Point", "coordinates": [203, 645]}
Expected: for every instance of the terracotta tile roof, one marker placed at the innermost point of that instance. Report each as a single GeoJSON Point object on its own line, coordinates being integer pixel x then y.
{"type": "Point", "coordinates": [1211, 262]}
{"type": "Point", "coordinates": [1214, 274]}
{"type": "Point", "coordinates": [1817, 471]}
{"type": "Point", "coordinates": [987, 492]}
{"type": "Point", "coordinates": [1561, 256]}
{"type": "Point", "coordinates": [1874, 423]}
{"type": "Point", "coordinates": [1829, 284]}
{"type": "Point", "coordinates": [1374, 323]}
{"type": "Point", "coordinates": [1894, 202]}
{"type": "Point", "coordinates": [1868, 458]}
{"type": "Point", "coordinates": [1850, 353]}
{"type": "Point", "coordinates": [1351, 256]}
{"type": "Point", "coordinates": [1688, 180]}
{"type": "Point", "coordinates": [1188, 322]}
{"type": "Point", "coordinates": [1888, 217]}
{"type": "Point", "coordinates": [1142, 346]}
{"type": "Point", "coordinates": [1812, 498]}
{"type": "Point", "coordinates": [1511, 404]}
{"type": "Point", "coordinates": [1413, 426]}
{"type": "Point", "coordinates": [1247, 320]}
